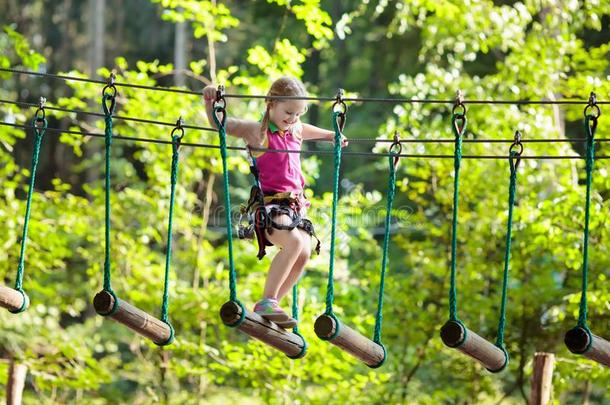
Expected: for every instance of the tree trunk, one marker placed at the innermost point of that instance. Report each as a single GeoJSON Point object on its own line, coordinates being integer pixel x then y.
{"type": "Point", "coordinates": [16, 381]}
{"type": "Point", "coordinates": [211, 48]}
{"type": "Point", "coordinates": [542, 379]}
{"type": "Point", "coordinates": [180, 53]}
{"type": "Point", "coordinates": [97, 31]}
{"type": "Point", "coordinates": [96, 57]}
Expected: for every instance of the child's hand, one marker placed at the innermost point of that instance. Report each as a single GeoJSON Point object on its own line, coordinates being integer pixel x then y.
{"type": "Point", "coordinates": [209, 94]}
{"type": "Point", "coordinates": [344, 141]}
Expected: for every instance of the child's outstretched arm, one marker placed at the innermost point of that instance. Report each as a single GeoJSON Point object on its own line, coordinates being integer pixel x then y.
{"type": "Point", "coordinates": [247, 129]}
{"type": "Point", "coordinates": [312, 132]}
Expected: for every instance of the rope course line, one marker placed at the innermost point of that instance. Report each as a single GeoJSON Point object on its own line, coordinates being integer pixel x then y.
{"type": "Point", "coordinates": [352, 140]}
{"type": "Point", "coordinates": [118, 117]}
{"type": "Point", "coordinates": [350, 99]}
{"type": "Point", "coordinates": [304, 152]}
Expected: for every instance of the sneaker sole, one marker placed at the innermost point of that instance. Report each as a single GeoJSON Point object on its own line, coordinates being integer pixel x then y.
{"type": "Point", "coordinates": [287, 325]}
{"type": "Point", "coordinates": [276, 317]}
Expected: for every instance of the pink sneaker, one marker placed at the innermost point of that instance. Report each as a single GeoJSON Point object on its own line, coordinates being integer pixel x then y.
{"type": "Point", "coordinates": [269, 309]}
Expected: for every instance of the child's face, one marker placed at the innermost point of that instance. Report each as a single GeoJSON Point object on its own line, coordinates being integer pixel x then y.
{"type": "Point", "coordinates": [285, 113]}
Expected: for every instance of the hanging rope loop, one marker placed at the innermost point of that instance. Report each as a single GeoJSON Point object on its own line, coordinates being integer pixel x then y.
{"type": "Point", "coordinates": [108, 111]}
{"type": "Point", "coordinates": [515, 151]}
{"type": "Point", "coordinates": [40, 126]}
{"type": "Point", "coordinates": [176, 139]}
{"type": "Point", "coordinates": [340, 108]}
{"type": "Point", "coordinates": [395, 149]}
{"type": "Point", "coordinates": [220, 108]}
{"type": "Point", "coordinates": [459, 121]}
{"type": "Point", "coordinates": [338, 113]}
{"type": "Point", "coordinates": [591, 112]}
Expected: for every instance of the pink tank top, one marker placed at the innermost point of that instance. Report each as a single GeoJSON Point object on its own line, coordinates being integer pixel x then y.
{"type": "Point", "coordinates": [280, 172]}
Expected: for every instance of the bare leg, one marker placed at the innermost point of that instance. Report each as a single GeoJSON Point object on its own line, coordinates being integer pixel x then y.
{"type": "Point", "coordinates": [290, 243]}
{"type": "Point", "coordinates": [298, 267]}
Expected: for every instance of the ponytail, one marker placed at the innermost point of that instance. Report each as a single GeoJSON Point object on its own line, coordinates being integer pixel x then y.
{"type": "Point", "coordinates": [264, 125]}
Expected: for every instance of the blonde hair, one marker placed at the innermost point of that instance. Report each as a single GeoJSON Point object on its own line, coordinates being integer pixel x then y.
{"type": "Point", "coordinates": [284, 86]}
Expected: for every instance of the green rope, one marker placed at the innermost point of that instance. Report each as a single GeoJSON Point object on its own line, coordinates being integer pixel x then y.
{"type": "Point", "coordinates": [512, 187]}
{"type": "Point", "coordinates": [108, 142]}
{"type": "Point", "coordinates": [168, 256]}
{"type": "Point", "coordinates": [590, 157]}
{"type": "Point", "coordinates": [386, 243]}
{"type": "Point", "coordinates": [459, 132]}
{"type": "Point", "coordinates": [35, 156]}
{"type": "Point", "coordinates": [330, 290]}
{"type": "Point", "coordinates": [295, 306]}
{"type": "Point", "coordinates": [295, 315]}
{"type": "Point", "coordinates": [225, 172]}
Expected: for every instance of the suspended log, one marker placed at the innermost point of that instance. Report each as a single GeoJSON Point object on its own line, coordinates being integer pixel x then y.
{"type": "Point", "coordinates": [256, 326]}
{"type": "Point", "coordinates": [589, 345]}
{"type": "Point", "coordinates": [457, 336]}
{"type": "Point", "coordinates": [13, 300]}
{"type": "Point", "coordinates": [349, 340]}
{"type": "Point", "coordinates": [134, 318]}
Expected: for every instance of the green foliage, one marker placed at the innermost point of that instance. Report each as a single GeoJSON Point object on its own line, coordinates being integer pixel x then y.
{"type": "Point", "coordinates": [14, 47]}
{"type": "Point", "coordinates": [420, 49]}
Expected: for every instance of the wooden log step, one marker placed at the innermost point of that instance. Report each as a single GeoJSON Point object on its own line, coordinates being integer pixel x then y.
{"type": "Point", "coordinates": [256, 326]}
{"type": "Point", "coordinates": [349, 340]}
{"type": "Point", "coordinates": [13, 300]}
{"type": "Point", "coordinates": [589, 345]}
{"type": "Point", "coordinates": [457, 336]}
{"type": "Point", "coordinates": [134, 318]}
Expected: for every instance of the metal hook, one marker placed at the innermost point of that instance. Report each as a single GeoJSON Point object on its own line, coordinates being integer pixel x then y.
{"type": "Point", "coordinates": [178, 127]}
{"type": "Point", "coordinates": [341, 112]}
{"type": "Point", "coordinates": [396, 144]}
{"type": "Point", "coordinates": [516, 153]}
{"type": "Point", "coordinates": [459, 103]}
{"type": "Point", "coordinates": [112, 96]}
{"type": "Point", "coordinates": [592, 105]}
{"type": "Point", "coordinates": [220, 96]}
{"type": "Point", "coordinates": [40, 110]}
{"type": "Point", "coordinates": [339, 101]}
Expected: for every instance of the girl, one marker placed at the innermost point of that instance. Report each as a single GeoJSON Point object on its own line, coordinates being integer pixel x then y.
{"type": "Point", "coordinates": [282, 184]}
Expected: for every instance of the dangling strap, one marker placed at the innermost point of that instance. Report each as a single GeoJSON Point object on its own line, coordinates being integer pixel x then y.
{"type": "Point", "coordinates": [39, 131]}
{"type": "Point", "coordinates": [393, 160]}
{"type": "Point", "coordinates": [108, 111]}
{"type": "Point", "coordinates": [458, 121]}
{"type": "Point", "coordinates": [176, 139]}
{"type": "Point", "coordinates": [514, 160]}
{"type": "Point", "coordinates": [255, 174]}
{"type": "Point", "coordinates": [590, 127]}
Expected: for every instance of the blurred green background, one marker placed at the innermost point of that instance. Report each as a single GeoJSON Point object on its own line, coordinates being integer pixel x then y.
{"type": "Point", "coordinates": [491, 50]}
